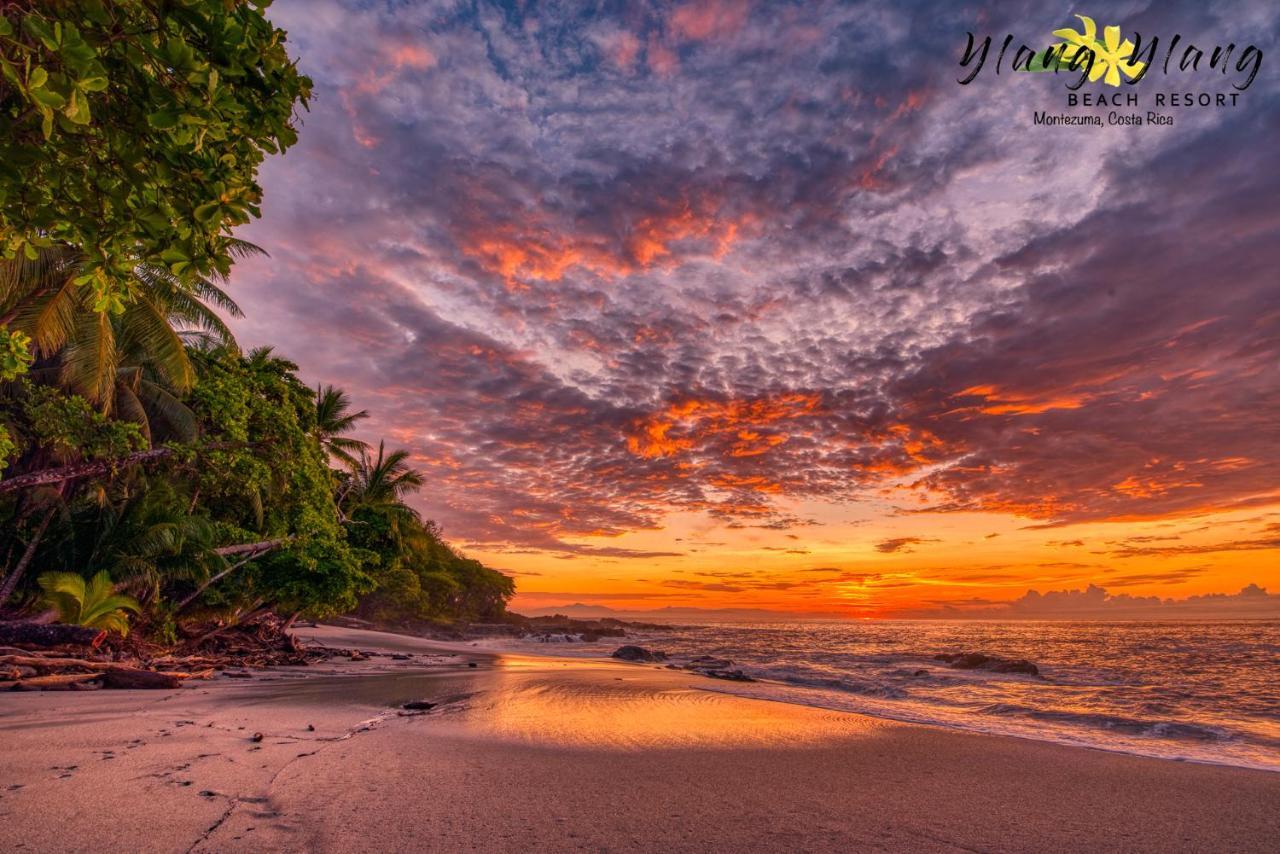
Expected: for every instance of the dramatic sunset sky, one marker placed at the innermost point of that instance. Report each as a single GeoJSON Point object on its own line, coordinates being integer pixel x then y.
{"type": "Point", "coordinates": [737, 304]}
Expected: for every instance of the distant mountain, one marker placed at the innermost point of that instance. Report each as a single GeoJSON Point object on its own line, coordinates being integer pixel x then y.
{"type": "Point", "coordinates": [671, 614]}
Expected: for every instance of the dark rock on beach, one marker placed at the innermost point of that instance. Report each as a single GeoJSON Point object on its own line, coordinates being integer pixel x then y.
{"type": "Point", "coordinates": [418, 705]}
{"type": "Point", "coordinates": [731, 675]}
{"type": "Point", "coordinates": [638, 653]}
{"type": "Point", "coordinates": [978, 661]}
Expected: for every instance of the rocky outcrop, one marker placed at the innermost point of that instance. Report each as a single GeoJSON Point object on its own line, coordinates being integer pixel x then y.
{"type": "Point", "coordinates": [978, 661]}
{"type": "Point", "coordinates": [631, 652]}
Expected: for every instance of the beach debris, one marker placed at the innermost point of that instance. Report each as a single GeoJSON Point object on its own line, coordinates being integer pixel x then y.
{"type": "Point", "coordinates": [400, 656]}
{"type": "Point", "coordinates": [57, 657]}
{"type": "Point", "coordinates": [311, 727]}
{"type": "Point", "coordinates": [631, 652]}
{"type": "Point", "coordinates": [418, 705]}
{"type": "Point", "coordinates": [256, 737]}
{"type": "Point", "coordinates": [978, 661]}
{"type": "Point", "coordinates": [472, 664]}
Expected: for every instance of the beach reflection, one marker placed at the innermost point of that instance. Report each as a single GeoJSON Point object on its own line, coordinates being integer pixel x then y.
{"type": "Point", "coordinates": [609, 707]}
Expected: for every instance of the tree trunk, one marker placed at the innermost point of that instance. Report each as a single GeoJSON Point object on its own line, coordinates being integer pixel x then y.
{"type": "Point", "coordinates": [64, 473]}
{"type": "Point", "coordinates": [87, 469]}
{"type": "Point", "coordinates": [253, 550]}
{"type": "Point", "coordinates": [11, 581]}
{"type": "Point", "coordinates": [50, 634]}
{"type": "Point", "coordinates": [259, 547]}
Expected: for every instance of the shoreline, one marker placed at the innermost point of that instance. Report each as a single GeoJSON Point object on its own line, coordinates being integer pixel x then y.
{"type": "Point", "coordinates": [833, 699]}
{"type": "Point", "coordinates": [547, 753]}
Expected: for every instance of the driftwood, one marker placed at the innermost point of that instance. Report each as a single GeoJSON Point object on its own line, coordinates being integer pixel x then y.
{"type": "Point", "coordinates": [53, 682]}
{"type": "Point", "coordinates": [49, 634]}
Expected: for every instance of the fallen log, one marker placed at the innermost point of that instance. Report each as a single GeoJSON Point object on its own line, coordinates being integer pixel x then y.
{"type": "Point", "coordinates": [197, 674]}
{"type": "Point", "coordinates": [53, 682]}
{"type": "Point", "coordinates": [130, 678]}
{"type": "Point", "coordinates": [49, 634]}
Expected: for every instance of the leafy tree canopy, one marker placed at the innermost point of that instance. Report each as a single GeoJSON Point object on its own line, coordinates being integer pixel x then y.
{"type": "Point", "coordinates": [134, 129]}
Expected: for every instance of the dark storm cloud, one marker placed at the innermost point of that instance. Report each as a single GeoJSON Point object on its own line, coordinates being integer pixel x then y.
{"type": "Point", "coordinates": [591, 269]}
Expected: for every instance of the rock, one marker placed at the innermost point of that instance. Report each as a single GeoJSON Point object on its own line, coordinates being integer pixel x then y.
{"type": "Point", "coordinates": [418, 705]}
{"type": "Point", "coordinates": [631, 652]}
{"type": "Point", "coordinates": [978, 661]}
{"type": "Point", "coordinates": [707, 661]}
{"type": "Point", "coordinates": [921, 673]}
{"type": "Point", "coordinates": [731, 675]}
{"type": "Point", "coordinates": [399, 656]}
{"type": "Point", "coordinates": [472, 664]}
{"type": "Point", "coordinates": [132, 678]}
{"type": "Point", "coordinates": [257, 736]}
{"type": "Point", "coordinates": [1020, 665]}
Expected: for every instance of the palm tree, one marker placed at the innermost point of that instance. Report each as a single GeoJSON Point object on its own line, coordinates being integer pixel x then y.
{"type": "Point", "coordinates": [153, 537]}
{"type": "Point", "coordinates": [120, 362]}
{"type": "Point", "coordinates": [381, 484]}
{"type": "Point", "coordinates": [95, 604]}
{"type": "Point", "coordinates": [334, 418]}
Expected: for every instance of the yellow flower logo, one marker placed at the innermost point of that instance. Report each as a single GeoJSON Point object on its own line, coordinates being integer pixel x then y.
{"type": "Point", "coordinates": [1110, 56]}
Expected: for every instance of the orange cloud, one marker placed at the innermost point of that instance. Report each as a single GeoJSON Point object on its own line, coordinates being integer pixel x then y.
{"type": "Point", "coordinates": [1013, 403]}
{"type": "Point", "coordinates": [527, 251]}
{"type": "Point", "coordinates": [684, 425]}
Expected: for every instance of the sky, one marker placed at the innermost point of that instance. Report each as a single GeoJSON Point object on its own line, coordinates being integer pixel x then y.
{"type": "Point", "coordinates": [733, 304]}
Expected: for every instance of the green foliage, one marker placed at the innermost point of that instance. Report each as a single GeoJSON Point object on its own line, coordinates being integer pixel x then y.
{"type": "Point", "coordinates": [95, 605]}
{"type": "Point", "coordinates": [131, 133]}
{"type": "Point", "coordinates": [65, 427]}
{"type": "Point", "coordinates": [15, 354]}
{"type": "Point", "coordinates": [419, 576]}
{"type": "Point", "coordinates": [7, 447]}
{"type": "Point", "coordinates": [134, 130]}
{"type": "Point", "coordinates": [273, 481]}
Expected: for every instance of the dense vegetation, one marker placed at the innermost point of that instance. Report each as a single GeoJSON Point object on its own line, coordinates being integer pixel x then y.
{"type": "Point", "coordinates": [151, 469]}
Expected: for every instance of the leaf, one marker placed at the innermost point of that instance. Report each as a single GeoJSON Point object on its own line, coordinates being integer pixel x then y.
{"type": "Point", "coordinates": [48, 98]}
{"type": "Point", "coordinates": [37, 78]}
{"type": "Point", "coordinates": [163, 120]}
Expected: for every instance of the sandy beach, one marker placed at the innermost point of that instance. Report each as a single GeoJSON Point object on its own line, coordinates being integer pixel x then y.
{"type": "Point", "coordinates": [546, 754]}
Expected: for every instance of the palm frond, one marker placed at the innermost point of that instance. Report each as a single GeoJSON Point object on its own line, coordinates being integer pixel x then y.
{"type": "Point", "coordinates": [90, 360]}
{"type": "Point", "coordinates": [145, 327]}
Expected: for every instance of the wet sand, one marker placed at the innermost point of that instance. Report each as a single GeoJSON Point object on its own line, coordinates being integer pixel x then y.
{"type": "Point", "coordinates": [543, 754]}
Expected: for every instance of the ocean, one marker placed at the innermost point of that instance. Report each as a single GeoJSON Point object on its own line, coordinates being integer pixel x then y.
{"type": "Point", "coordinates": [1195, 691]}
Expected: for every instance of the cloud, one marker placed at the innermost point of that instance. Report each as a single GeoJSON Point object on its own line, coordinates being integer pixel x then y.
{"type": "Point", "coordinates": [1268, 539]}
{"type": "Point", "coordinates": [901, 544]}
{"type": "Point", "coordinates": [1097, 603]}
{"type": "Point", "coordinates": [728, 258]}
